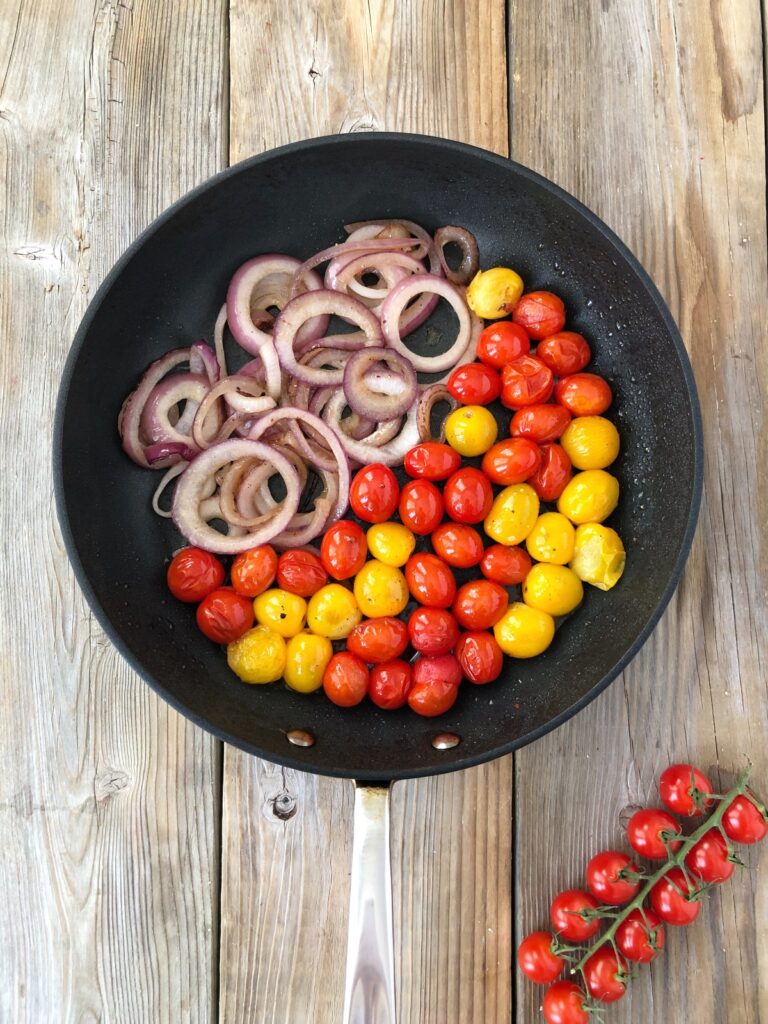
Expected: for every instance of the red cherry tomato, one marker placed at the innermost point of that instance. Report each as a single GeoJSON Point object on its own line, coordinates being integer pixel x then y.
{"type": "Point", "coordinates": [708, 859]}
{"type": "Point", "coordinates": [553, 474]}
{"type": "Point", "coordinates": [584, 394]}
{"type": "Point", "coordinates": [374, 493]}
{"type": "Point", "coordinates": [536, 959]}
{"type": "Point", "coordinates": [607, 879]}
{"type": "Point", "coordinates": [502, 343]}
{"type": "Point", "coordinates": [474, 384]}
{"type": "Point", "coordinates": [480, 604]}
{"type": "Point", "coordinates": [564, 353]}
{"type": "Point", "coordinates": [378, 640]}
{"type": "Point", "coordinates": [433, 631]}
{"type": "Point", "coordinates": [480, 657]}
{"type": "Point", "coordinates": [430, 581]}
{"type": "Point", "coordinates": [468, 495]}
{"type": "Point", "coordinates": [540, 314]}
{"type": "Point", "coordinates": [640, 936]}
{"type": "Point", "coordinates": [224, 615]}
{"type": "Point", "coordinates": [504, 565]}
{"type": "Point", "coordinates": [421, 506]}
{"type": "Point", "coordinates": [743, 822]}
{"type": "Point", "coordinates": [673, 900]}
{"type": "Point", "coordinates": [566, 915]}
{"type": "Point", "coordinates": [683, 790]}
{"type": "Point", "coordinates": [527, 381]}
{"type": "Point", "coordinates": [540, 423]}
{"type": "Point", "coordinates": [389, 684]}
{"type": "Point", "coordinates": [511, 461]}
{"type": "Point", "coordinates": [458, 545]}
{"type": "Point", "coordinates": [301, 572]}
{"type": "Point", "coordinates": [563, 1003]}
{"type": "Point", "coordinates": [604, 975]}
{"type": "Point", "coordinates": [432, 461]}
{"type": "Point", "coordinates": [645, 830]}
{"type": "Point", "coordinates": [193, 574]}
{"type": "Point", "coordinates": [344, 549]}
{"type": "Point", "coordinates": [253, 571]}
{"type": "Point", "coordinates": [345, 679]}
{"type": "Point", "coordinates": [435, 685]}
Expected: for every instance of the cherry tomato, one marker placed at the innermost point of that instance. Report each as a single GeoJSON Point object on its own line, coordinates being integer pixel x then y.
{"type": "Point", "coordinates": [432, 461]}
{"type": "Point", "coordinates": [511, 461]}
{"type": "Point", "coordinates": [480, 604]}
{"type": "Point", "coordinates": [435, 685]}
{"type": "Point", "coordinates": [553, 474]}
{"type": "Point", "coordinates": [374, 493]}
{"type": "Point", "coordinates": [421, 506]}
{"type": "Point", "coordinates": [474, 384]}
{"type": "Point", "coordinates": [645, 829]}
{"type": "Point", "coordinates": [536, 959]}
{"type": "Point", "coordinates": [468, 496]}
{"type": "Point", "coordinates": [480, 657]}
{"type": "Point", "coordinates": [540, 314]}
{"type": "Point", "coordinates": [433, 631]}
{"type": "Point", "coordinates": [604, 975]}
{"type": "Point", "coordinates": [345, 679]}
{"type": "Point", "coordinates": [673, 900]}
{"type": "Point", "coordinates": [540, 423]}
{"type": "Point", "coordinates": [506, 565]}
{"type": "Point", "coordinates": [193, 574]}
{"type": "Point", "coordinates": [430, 581]}
{"type": "Point", "coordinates": [564, 353]}
{"type": "Point", "coordinates": [640, 936]}
{"type": "Point", "coordinates": [527, 381]}
{"type": "Point", "coordinates": [502, 343]}
{"type": "Point", "coordinates": [708, 859]}
{"type": "Point", "coordinates": [301, 572]}
{"type": "Point", "coordinates": [683, 789]}
{"type": "Point", "coordinates": [563, 1003]}
{"type": "Point", "coordinates": [253, 571]}
{"type": "Point", "coordinates": [224, 616]}
{"type": "Point", "coordinates": [344, 549]}
{"type": "Point", "coordinates": [389, 684]}
{"type": "Point", "coordinates": [378, 640]}
{"type": "Point", "coordinates": [607, 879]}
{"type": "Point", "coordinates": [743, 822]}
{"type": "Point", "coordinates": [584, 394]}
{"type": "Point", "coordinates": [458, 545]}
{"type": "Point", "coordinates": [566, 915]}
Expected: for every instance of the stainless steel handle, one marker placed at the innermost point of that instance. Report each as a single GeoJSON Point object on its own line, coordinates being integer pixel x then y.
{"type": "Point", "coordinates": [369, 991]}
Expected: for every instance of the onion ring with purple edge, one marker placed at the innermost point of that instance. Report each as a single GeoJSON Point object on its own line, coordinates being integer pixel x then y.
{"type": "Point", "coordinates": [360, 378]}
{"type": "Point", "coordinates": [129, 417]}
{"type": "Point", "coordinates": [202, 359]}
{"type": "Point", "coordinates": [390, 453]}
{"type": "Point", "coordinates": [228, 385]}
{"type": "Point", "coordinates": [155, 422]}
{"type": "Point", "coordinates": [470, 254]}
{"type": "Point", "coordinates": [354, 248]}
{"type": "Point", "coordinates": [430, 396]}
{"type": "Point", "coordinates": [395, 303]}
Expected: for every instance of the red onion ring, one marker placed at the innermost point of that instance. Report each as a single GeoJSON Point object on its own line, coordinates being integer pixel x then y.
{"type": "Point", "coordinates": [359, 384]}
{"type": "Point", "coordinates": [470, 254]}
{"type": "Point", "coordinates": [202, 359]}
{"type": "Point", "coordinates": [430, 397]}
{"type": "Point", "coordinates": [129, 418]}
{"type": "Point", "coordinates": [393, 307]}
{"type": "Point", "coordinates": [374, 448]}
{"type": "Point", "coordinates": [353, 248]}
{"type": "Point", "coordinates": [168, 476]}
{"type": "Point", "coordinates": [155, 422]}
{"type": "Point", "coordinates": [204, 436]}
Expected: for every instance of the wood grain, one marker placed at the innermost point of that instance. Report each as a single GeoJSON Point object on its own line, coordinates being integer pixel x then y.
{"type": "Point", "coordinates": [664, 138]}
{"type": "Point", "coordinates": [108, 799]}
{"type": "Point", "coordinates": [335, 67]}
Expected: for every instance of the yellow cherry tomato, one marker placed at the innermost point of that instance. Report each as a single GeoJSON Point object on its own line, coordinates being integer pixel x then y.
{"type": "Point", "coordinates": [380, 590]}
{"type": "Point", "coordinates": [391, 543]}
{"type": "Point", "coordinates": [333, 612]}
{"type": "Point", "coordinates": [281, 611]}
{"type": "Point", "coordinates": [589, 497]}
{"type": "Point", "coordinates": [524, 632]}
{"type": "Point", "coordinates": [551, 539]}
{"type": "Point", "coordinates": [493, 293]}
{"type": "Point", "coordinates": [554, 589]}
{"type": "Point", "coordinates": [471, 430]}
{"type": "Point", "coordinates": [590, 442]}
{"type": "Point", "coordinates": [513, 514]}
{"type": "Point", "coordinates": [599, 556]}
{"type": "Point", "coordinates": [306, 657]}
{"type": "Point", "coordinates": [258, 656]}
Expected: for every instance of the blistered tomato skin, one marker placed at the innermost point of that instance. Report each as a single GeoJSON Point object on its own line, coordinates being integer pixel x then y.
{"type": "Point", "coordinates": [421, 507]}
{"type": "Point", "coordinates": [553, 474]}
{"type": "Point", "coordinates": [513, 514]}
{"type": "Point", "coordinates": [193, 574]}
{"type": "Point", "coordinates": [589, 497]}
{"type": "Point", "coordinates": [493, 293]}
{"type": "Point", "coordinates": [525, 382]}
{"type": "Point", "coordinates": [374, 493]}
{"type": "Point", "coordinates": [432, 460]}
{"type": "Point", "coordinates": [584, 394]}
{"type": "Point", "coordinates": [435, 685]}
{"type": "Point", "coordinates": [343, 549]}
{"type": "Point", "coordinates": [333, 612]}
{"type": "Point", "coordinates": [301, 572]}
{"type": "Point", "coordinates": [433, 631]}
{"type": "Point", "coordinates": [474, 384]}
{"type": "Point", "coordinates": [253, 571]}
{"type": "Point", "coordinates": [430, 580]}
{"type": "Point", "coordinates": [480, 604]}
{"type": "Point", "coordinates": [306, 658]}
{"type": "Point", "coordinates": [512, 461]}
{"type": "Point", "coordinates": [591, 442]}
{"type": "Point", "coordinates": [345, 679]}
{"type": "Point", "coordinates": [552, 539]}
{"type": "Point", "coordinates": [502, 343]}
{"type": "Point", "coordinates": [505, 565]}
{"type": "Point", "coordinates": [468, 496]}
{"type": "Point", "coordinates": [380, 590]}
{"type": "Point", "coordinates": [540, 314]}
{"type": "Point", "coordinates": [471, 430]}
{"type": "Point", "coordinates": [391, 543]}
{"type": "Point", "coordinates": [378, 640]}
{"type": "Point", "coordinates": [458, 544]}
{"type": "Point", "coordinates": [281, 611]}
{"type": "Point", "coordinates": [480, 657]}
{"type": "Point", "coordinates": [598, 556]}
{"type": "Point", "coordinates": [564, 353]}
{"type": "Point", "coordinates": [224, 616]}
{"type": "Point", "coordinates": [390, 684]}
{"type": "Point", "coordinates": [258, 656]}
{"type": "Point", "coordinates": [540, 423]}
{"type": "Point", "coordinates": [554, 589]}
{"type": "Point", "coordinates": [524, 632]}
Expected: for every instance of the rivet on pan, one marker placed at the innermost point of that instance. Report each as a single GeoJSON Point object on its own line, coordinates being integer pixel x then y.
{"type": "Point", "coordinates": [446, 741]}
{"type": "Point", "coordinates": [300, 738]}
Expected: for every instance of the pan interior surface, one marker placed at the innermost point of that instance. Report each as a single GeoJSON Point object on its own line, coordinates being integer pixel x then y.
{"type": "Point", "coordinates": [165, 293]}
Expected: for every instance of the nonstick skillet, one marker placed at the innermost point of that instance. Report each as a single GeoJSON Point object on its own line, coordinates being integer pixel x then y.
{"type": "Point", "coordinates": [165, 291]}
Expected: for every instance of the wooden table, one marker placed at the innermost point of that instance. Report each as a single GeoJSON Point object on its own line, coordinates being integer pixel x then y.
{"type": "Point", "coordinates": [146, 873]}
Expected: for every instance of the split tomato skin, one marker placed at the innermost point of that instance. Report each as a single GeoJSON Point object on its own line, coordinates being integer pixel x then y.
{"type": "Point", "coordinates": [435, 685]}
{"type": "Point", "coordinates": [553, 475]}
{"type": "Point", "coordinates": [526, 381]}
{"type": "Point", "coordinates": [540, 314]}
{"type": "Point", "coordinates": [432, 460]}
{"type": "Point", "coordinates": [433, 631]}
{"type": "Point", "coordinates": [512, 461]}
{"type": "Point", "coordinates": [194, 574]}
{"type": "Point", "coordinates": [301, 572]}
{"type": "Point", "coordinates": [480, 657]}
{"type": "Point", "coordinates": [224, 615]}
{"type": "Point", "coordinates": [389, 684]}
{"type": "Point", "coordinates": [565, 353]}
{"type": "Point", "coordinates": [378, 640]}
{"type": "Point", "coordinates": [540, 423]}
{"type": "Point", "coordinates": [254, 571]}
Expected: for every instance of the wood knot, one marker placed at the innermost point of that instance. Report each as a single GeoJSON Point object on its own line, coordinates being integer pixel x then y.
{"type": "Point", "coordinates": [284, 805]}
{"type": "Point", "coordinates": [109, 782]}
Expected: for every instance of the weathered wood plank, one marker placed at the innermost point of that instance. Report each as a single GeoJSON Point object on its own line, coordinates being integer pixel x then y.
{"type": "Point", "coordinates": [652, 114]}
{"type": "Point", "coordinates": [108, 799]}
{"type": "Point", "coordinates": [334, 67]}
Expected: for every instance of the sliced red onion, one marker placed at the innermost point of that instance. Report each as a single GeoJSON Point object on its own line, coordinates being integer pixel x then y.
{"type": "Point", "coordinates": [349, 342]}
{"type": "Point", "coordinates": [429, 398]}
{"type": "Point", "coordinates": [168, 476]}
{"type": "Point", "coordinates": [167, 451]}
{"type": "Point", "coordinates": [470, 254]}
{"type": "Point", "coordinates": [359, 377]}
{"type": "Point", "coordinates": [208, 417]}
{"type": "Point", "coordinates": [218, 340]}
{"type": "Point", "coordinates": [353, 248]}
{"type": "Point", "coordinates": [129, 418]}
{"type": "Point", "coordinates": [375, 448]}
{"type": "Point", "coordinates": [202, 359]}
{"type": "Point", "coordinates": [393, 307]}
{"type": "Point", "coordinates": [391, 267]}
{"type": "Point", "coordinates": [155, 423]}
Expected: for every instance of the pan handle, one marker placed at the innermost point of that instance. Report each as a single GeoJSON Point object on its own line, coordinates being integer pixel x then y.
{"type": "Point", "coordinates": [369, 990]}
